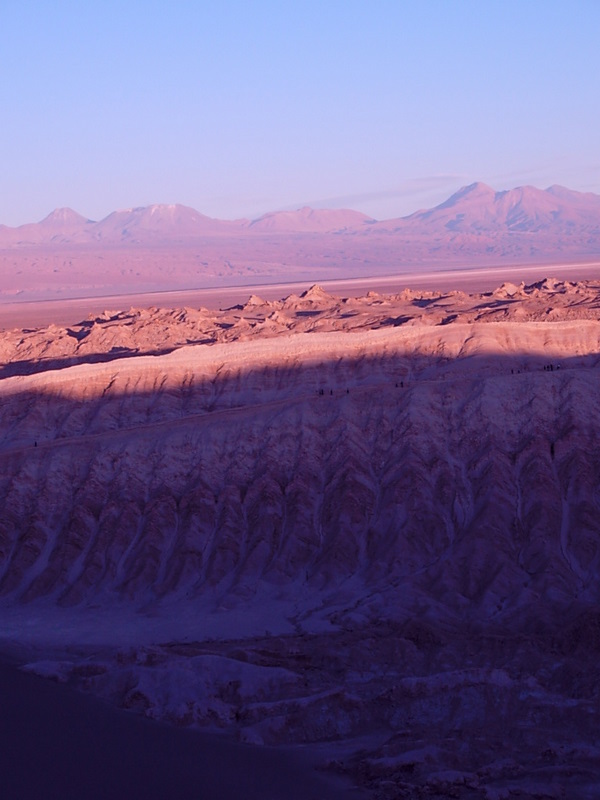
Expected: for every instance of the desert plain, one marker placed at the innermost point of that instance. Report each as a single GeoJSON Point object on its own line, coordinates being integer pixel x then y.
{"type": "Point", "coordinates": [360, 524]}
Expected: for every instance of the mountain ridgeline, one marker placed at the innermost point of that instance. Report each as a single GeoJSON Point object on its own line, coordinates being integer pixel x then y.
{"type": "Point", "coordinates": [476, 208]}
{"type": "Point", "coordinates": [173, 247]}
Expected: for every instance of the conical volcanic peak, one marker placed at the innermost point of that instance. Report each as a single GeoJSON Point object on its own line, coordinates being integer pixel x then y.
{"type": "Point", "coordinates": [64, 217]}
{"type": "Point", "coordinates": [474, 191]}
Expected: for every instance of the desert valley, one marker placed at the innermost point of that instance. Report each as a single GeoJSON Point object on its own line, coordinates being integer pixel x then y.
{"type": "Point", "coordinates": [162, 248]}
{"type": "Point", "coordinates": [358, 520]}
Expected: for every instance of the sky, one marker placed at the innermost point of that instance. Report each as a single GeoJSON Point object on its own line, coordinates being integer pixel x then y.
{"type": "Point", "coordinates": [238, 108]}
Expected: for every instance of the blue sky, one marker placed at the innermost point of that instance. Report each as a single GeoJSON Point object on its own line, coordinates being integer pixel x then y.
{"type": "Point", "coordinates": [236, 108]}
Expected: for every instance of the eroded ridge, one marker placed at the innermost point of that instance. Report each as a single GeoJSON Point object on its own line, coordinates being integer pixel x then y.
{"type": "Point", "coordinates": [349, 525]}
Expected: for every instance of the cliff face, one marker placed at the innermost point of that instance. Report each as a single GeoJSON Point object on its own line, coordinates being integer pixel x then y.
{"type": "Point", "coordinates": [409, 507]}
{"type": "Point", "coordinates": [448, 460]}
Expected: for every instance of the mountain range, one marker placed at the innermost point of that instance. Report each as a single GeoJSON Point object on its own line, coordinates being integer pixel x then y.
{"type": "Point", "coordinates": [474, 209]}
{"type": "Point", "coordinates": [167, 247]}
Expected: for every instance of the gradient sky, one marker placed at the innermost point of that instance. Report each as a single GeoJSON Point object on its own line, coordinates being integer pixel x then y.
{"type": "Point", "coordinates": [237, 108]}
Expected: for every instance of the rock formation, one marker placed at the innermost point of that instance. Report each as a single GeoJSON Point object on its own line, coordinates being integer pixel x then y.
{"type": "Point", "coordinates": [370, 524]}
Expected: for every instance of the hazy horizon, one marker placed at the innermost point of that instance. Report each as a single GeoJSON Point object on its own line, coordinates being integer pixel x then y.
{"type": "Point", "coordinates": [237, 111]}
{"type": "Point", "coordinates": [292, 208]}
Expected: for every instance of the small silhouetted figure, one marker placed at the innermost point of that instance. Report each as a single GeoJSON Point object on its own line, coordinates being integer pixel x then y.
{"type": "Point", "coordinates": [347, 391]}
{"type": "Point", "coordinates": [35, 444]}
{"type": "Point", "coordinates": [321, 392]}
{"type": "Point", "coordinates": [396, 384]}
{"type": "Point", "coordinates": [331, 391]}
{"type": "Point", "coordinates": [512, 372]}
{"type": "Point", "coordinates": [552, 449]}
{"type": "Point", "coordinates": [402, 384]}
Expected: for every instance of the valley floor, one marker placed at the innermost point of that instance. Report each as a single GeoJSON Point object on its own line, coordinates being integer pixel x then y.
{"type": "Point", "coordinates": [67, 310]}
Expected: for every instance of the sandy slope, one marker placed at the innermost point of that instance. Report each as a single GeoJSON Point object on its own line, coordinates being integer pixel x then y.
{"type": "Point", "coordinates": [367, 523]}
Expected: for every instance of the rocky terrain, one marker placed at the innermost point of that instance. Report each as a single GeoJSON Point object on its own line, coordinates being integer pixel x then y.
{"type": "Point", "coordinates": [368, 524]}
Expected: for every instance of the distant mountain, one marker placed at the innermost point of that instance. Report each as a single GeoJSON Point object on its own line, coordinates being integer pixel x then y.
{"type": "Point", "coordinates": [476, 211]}
{"type": "Point", "coordinates": [165, 247]}
{"type": "Point", "coordinates": [151, 224]}
{"type": "Point", "coordinates": [480, 209]}
{"type": "Point", "coordinates": [60, 226]}
{"type": "Point", "coordinates": [146, 225]}
{"type": "Point", "coordinates": [63, 219]}
{"type": "Point", "coordinates": [310, 220]}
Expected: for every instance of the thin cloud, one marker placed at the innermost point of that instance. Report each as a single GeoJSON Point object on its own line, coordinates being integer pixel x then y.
{"type": "Point", "coordinates": [409, 188]}
{"type": "Point", "coordinates": [539, 174]}
{"type": "Point", "coordinates": [580, 177]}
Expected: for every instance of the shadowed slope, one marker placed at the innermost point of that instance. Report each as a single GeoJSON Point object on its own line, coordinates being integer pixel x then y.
{"type": "Point", "coordinates": [382, 540]}
{"type": "Point", "coordinates": [75, 747]}
{"type": "Point", "coordinates": [196, 470]}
